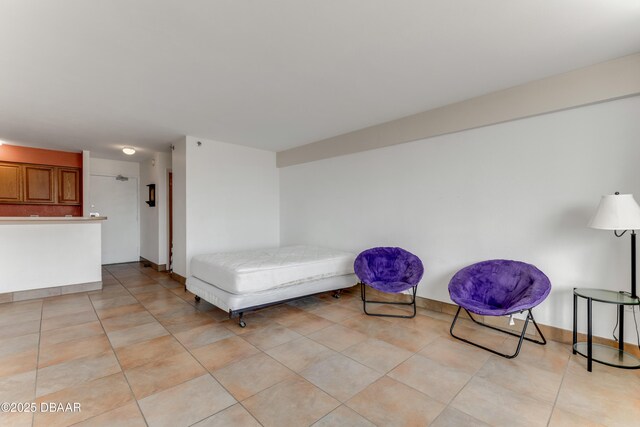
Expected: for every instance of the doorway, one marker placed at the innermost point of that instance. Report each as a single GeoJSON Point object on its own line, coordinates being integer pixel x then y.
{"type": "Point", "coordinates": [117, 199]}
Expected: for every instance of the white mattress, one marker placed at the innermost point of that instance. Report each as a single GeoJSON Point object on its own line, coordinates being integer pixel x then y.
{"type": "Point", "coordinates": [228, 301]}
{"type": "Point", "coordinates": [259, 270]}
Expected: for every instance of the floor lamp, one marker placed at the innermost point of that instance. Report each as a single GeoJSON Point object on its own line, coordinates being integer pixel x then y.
{"type": "Point", "coordinates": [620, 213]}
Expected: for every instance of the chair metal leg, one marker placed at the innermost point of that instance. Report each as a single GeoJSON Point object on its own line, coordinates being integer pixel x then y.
{"type": "Point", "coordinates": [363, 295]}
{"type": "Point", "coordinates": [521, 336]}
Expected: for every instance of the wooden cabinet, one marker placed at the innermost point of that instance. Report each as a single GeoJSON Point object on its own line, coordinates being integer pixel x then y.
{"type": "Point", "coordinates": [10, 183]}
{"type": "Point", "coordinates": [39, 184]}
{"type": "Point", "coordinates": [68, 186]}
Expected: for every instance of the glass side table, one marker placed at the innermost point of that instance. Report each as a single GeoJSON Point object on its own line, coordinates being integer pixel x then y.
{"type": "Point", "coordinates": [611, 356]}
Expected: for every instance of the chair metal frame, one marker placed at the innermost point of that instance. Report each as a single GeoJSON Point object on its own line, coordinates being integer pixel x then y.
{"type": "Point", "coordinates": [363, 295]}
{"type": "Point", "coordinates": [521, 336]}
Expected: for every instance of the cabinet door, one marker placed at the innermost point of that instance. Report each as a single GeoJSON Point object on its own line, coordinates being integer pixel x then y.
{"type": "Point", "coordinates": [39, 184]}
{"type": "Point", "coordinates": [69, 186]}
{"type": "Point", "coordinates": [10, 183]}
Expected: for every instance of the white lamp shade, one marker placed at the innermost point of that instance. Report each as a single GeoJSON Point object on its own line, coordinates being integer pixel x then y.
{"type": "Point", "coordinates": [617, 212]}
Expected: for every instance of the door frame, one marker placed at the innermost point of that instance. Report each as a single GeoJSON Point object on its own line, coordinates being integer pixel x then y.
{"type": "Point", "coordinates": [169, 220]}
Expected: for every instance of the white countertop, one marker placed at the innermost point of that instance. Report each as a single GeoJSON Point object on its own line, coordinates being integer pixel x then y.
{"type": "Point", "coordinates": [48, 219]}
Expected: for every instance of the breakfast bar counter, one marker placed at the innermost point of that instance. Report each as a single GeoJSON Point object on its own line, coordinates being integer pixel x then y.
{"type": "Point", "coordinates": [48, 256]}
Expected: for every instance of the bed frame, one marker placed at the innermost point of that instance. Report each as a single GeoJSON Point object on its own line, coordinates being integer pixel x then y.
{"type": "Point", "coordinates": [241, 311]}
{"type": "Point", "coordinates": [237, 305]}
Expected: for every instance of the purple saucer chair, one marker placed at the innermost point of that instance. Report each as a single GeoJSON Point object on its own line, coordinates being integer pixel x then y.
{"type": "Point", "coordinates": [390, 270]}
{"type": "Point", "coordinates": [499, 288]}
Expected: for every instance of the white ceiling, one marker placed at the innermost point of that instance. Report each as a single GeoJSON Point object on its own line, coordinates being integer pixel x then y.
{"type": "Point", "coordinates": [275, 74]}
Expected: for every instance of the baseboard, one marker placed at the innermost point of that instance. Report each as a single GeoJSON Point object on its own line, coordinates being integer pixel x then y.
{"type": "Point", "coordinates": [49, 292]}
{"type": "Point", "coordinates": [157, 267]}
{"type": "Point", "coordinates": [178, 278]}
{"type": "Point", "coordinates": [550, 332]}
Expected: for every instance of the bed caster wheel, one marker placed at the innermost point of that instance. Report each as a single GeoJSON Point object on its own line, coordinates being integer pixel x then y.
{"type": "Point", "coordinates": [242, 324]}
{"type": "Point", "coordinates": [336, 295]}
{"type": "Point", "coordinates": [197, 298]}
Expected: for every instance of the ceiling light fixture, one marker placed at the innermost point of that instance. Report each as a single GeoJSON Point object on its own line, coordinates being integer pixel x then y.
{"type": "Point", "coordinates": [129, 151]}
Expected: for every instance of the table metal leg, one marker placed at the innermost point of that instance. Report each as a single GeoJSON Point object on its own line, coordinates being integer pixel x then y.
{"type": "Point", "coordinates": [621, 328]}
{"type": "Point", "coordinates": [575, 322]}
{"type": "Point", "coordinates": [589, 336]}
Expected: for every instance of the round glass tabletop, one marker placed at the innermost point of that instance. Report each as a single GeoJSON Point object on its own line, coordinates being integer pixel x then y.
{"type": "Point", "coordinates": [603, 295]}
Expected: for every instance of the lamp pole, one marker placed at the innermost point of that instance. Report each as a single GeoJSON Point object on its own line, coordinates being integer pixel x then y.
{"type": "Point", "coordinates": [633, 264]}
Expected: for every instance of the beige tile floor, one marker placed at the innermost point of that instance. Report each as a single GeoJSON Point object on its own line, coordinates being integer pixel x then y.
{"type": "Point", "coordinates": [142, 352]}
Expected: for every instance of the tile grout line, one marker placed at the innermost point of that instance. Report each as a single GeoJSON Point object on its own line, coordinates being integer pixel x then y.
{"type": "Point", "coordinates": [40, 331]}
{"type": "Point", "coordinates": [448, 405]}
{"type": "Point", "coordinates": [189, 352]}
{"type": "Point", "coordinates": [366, 366]}
{"type": "Point", "coordinates": [228, 391]}
{"type": "Point", "coordinates": [362, 415]}
{"type": "Point", "coordinates": [189, 301]}
{"type": "Point", "coordinates": [118, 359]}
{"type": "Point", "coordinates": [356, 361]}
{"type": "Point", "coordinates": [420, 392]}
{"type": "Point", "coordinates": [294, 372]}
{"type": "Point", "coordinates": [239, 402]}
{"type": "Point", "coordinates": [338, 407]}
{"type": "Point", "coordinates": [383, 374]}
{"type": "Point", "coordinates": [211, 374]}
{"type": "Point", "coordinates": [280, 382]}
{"type": "Point", "coordinates": [160, 323]}
{"type": "Point", "coordinates": [555, 401]}
{"type": "Point", "coordinates": [35, 386]}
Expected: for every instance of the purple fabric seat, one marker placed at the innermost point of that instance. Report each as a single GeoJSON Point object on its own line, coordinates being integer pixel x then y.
{"type": "Point", "coordinates": [496, 288]}
{"type": "Point", "coordinates": [391, 270]}
{"type": "Point", "coordinates": [499, 287]}
{"type": "Point", "coordinates": [388, 269]}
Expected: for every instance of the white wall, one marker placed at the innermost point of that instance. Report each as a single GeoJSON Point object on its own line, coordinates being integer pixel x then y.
{"type": "Point", "coordinates": [86, 182]}
{"type": "Point", "coordinates": [46, 254]}
{"type": "Point", "coordinates": [179, 169]}
{"type": "Point", "coordinates": [231, 198]}
{"type": "Point", "coordinates": [163, 166]}
{"type": "Point", "coordinates": [521, 190]}
{"type": "Point", "coordinates": [153, 220]}
{"type": "Point", "coordinates": [148, 214]}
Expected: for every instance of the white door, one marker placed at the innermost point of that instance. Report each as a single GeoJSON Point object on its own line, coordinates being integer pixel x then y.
{"type": "Point", "coordinates": [118, 201]}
